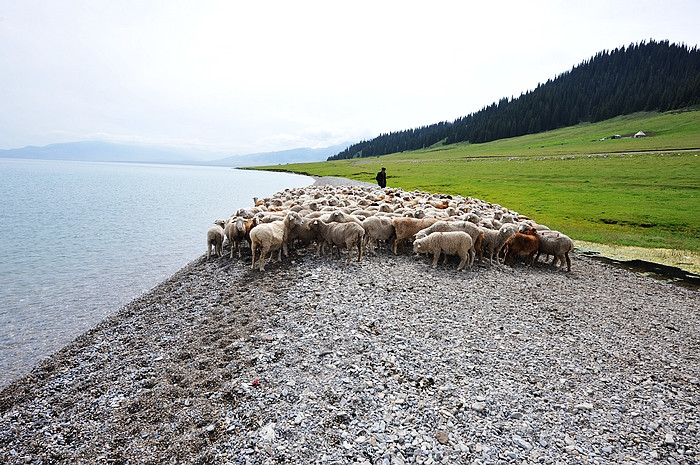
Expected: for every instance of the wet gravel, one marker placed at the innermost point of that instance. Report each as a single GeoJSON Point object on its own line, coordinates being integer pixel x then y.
{"type": "Point", "coordinates": [383, 361]}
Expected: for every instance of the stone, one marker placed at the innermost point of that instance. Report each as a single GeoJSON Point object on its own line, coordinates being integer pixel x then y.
{"type": "Point", "coordinates": [442, 437]}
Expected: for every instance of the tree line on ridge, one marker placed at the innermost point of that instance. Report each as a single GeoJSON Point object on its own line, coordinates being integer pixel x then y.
{"type": "Point", "coordinates": [653, 76]}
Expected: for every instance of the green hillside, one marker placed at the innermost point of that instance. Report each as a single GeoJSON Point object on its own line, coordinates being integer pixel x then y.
{"type": "Point", "coordinates": [627, 191]}
{"type": "Point", "coordinates": [653, 76]}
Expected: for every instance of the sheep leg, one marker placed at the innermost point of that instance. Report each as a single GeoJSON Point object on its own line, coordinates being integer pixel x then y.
{"type": "Point", "coordinates": [436, 257]}
{"type": "Point", "coordinates": [568, 262]}
{"type": "Point", "coordinates": [463, 262]}
{"type": "Point", "coordinates": [253, 249]}
{"type": "Point", "coordinates": [264, 252]}
{"type": "Point", "coordinates": [531, 259]}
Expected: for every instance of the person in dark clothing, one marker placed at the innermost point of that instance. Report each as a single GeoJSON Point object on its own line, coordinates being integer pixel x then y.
{"type": "Point", "coordinates": [381, 178]}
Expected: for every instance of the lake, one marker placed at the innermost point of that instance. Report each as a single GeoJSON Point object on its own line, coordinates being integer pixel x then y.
{"type": "Point", "coordinates": [78, 240]}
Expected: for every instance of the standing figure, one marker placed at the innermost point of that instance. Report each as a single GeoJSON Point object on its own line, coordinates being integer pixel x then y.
{"type": "Point", "coordinates": [381, 178]}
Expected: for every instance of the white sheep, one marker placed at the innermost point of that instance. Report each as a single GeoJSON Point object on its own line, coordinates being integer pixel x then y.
{"type": "Point", "coordinates": [377, 228]}
{"type": "Point", "coordinates": [339, 216]}
{"type": "Point", "coordinates": [468, 227]}
{"type": "Point", "coordinates": [348, 235]}
{"type": "Point", "coordinates": [557, 244]}
{"type": "Point", "coordinates": [504, 233]}
{"type": "Point", "coordinates": [235, 232]}
{"type": "Point", "coordinates": [215, 239]}
{"type": "Point", "coordinates": [490, 243]}
{"type": "Point", "coordinates": [269, 237]}
{"type": "Point", "coordinates": [449, 243]}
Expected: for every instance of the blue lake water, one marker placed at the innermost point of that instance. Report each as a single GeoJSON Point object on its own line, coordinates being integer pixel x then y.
{"type": "Point", "coordinates": [78, 240]}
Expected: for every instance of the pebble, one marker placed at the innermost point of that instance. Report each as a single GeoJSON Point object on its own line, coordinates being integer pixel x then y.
{"type": "Point", "coordinates": [382, 361]}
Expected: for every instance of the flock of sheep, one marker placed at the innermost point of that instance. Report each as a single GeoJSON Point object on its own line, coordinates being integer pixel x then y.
{"type": "Point", "coordinates": [364, 218]}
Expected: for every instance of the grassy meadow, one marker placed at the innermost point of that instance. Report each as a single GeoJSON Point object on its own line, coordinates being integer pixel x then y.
{"type": "Point", "coordinates": [632, 192]}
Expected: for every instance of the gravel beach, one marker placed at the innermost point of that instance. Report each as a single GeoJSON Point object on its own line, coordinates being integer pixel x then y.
{"type": "Point", "coordinates": [382, 361]}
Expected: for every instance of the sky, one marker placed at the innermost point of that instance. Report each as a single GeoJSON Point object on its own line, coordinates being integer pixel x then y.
{"type": "Point", "coordinates": [257, 76]}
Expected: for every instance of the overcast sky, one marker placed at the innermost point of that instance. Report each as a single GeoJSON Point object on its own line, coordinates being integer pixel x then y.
{"type": "Point", "coordinates": [253, 76]}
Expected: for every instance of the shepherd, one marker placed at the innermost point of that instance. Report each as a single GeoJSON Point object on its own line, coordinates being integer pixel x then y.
{"type": "Point", "coordinates": [381, 178]}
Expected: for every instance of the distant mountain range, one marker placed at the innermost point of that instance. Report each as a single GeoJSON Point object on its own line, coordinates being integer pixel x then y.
{"type": "Point", "coordinates": [114, 152]}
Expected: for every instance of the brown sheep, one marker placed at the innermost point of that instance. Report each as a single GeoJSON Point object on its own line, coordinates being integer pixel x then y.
{"type": "Point", "coordinates": [525, 243]}
{"type": "Point", "coordinates": [406, 228]}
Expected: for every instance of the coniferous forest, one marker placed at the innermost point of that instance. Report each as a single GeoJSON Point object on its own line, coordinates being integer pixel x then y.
{"type": "Point", "coordinates": [648, 76]}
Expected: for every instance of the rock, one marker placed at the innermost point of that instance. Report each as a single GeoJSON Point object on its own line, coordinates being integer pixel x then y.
{"type": "Point", "coordinates": [669, 439]}
{"type": "Point", "coordinates": [479, 406]}
{"type": "Point", "coordinates": [522, 443]}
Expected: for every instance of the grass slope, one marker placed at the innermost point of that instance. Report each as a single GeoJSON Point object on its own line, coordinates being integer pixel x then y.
{"type": "Point", "coordinates": [639, 192]}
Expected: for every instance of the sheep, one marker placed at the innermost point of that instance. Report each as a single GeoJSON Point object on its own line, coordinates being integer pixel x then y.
{"type": "Point", "coordinates": [449, 243]}
{"type": "Point", "coordinates": [250, 223]}
{"type": "Point", "coordinates": [504, 233]}
{"type": "Point", "coordinates": [247, 212]}
{"type": "Point", "coordinates": [303, 232]}
{"type": "Point", "coordinates": [235, 233]}
{"type": "Point", "coordinates": [269, 217]}
{"type": "Point", "coordinates": [270, 237]}
{"type": "Point", "coordinates": [407, 227]}
{"type": "Point", "coordinates": [341, 217]}
{"type": "Point", "coordinates": [377, 228]}
{"type": "Point", "coordinates": [525, 243]}
{"type": "Point", "coordinates": [348, 235]}
{"type": "Point", "coordinates": [489, 244]}
{"type": "Point", "coordinates": [557, 244]}
{"type": "Point", "coordinates": [443, 226]}
{"type": "Point", "coordinates": [215, 239]}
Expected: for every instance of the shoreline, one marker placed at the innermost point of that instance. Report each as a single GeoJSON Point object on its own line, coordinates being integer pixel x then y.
{"type": "Point", "coordinates": [199, 368]}
{"type": "Point", "coordinates": [318, 362]}
{"type": "Point", "coordinates": [385, 360]}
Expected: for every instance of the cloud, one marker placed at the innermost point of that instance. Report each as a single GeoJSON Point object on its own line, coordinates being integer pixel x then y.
{"type": "Point", "coordinates": [252, 76]}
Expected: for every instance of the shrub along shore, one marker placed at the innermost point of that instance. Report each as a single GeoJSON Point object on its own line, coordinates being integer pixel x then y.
{"type": "Point", "coordinates": [381, 361]}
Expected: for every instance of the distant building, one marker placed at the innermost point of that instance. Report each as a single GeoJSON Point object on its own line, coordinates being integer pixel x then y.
{"type": "Point", "coordinates": [617, 136]}
{"type": "Point", "coordinates": [640, 134]}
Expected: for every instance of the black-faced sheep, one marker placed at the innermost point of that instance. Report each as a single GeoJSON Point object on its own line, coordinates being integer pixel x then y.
{"type": "Point", "coordinates": [348, 235]}
{"type": "Point", "coordinates": [449, 243]}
